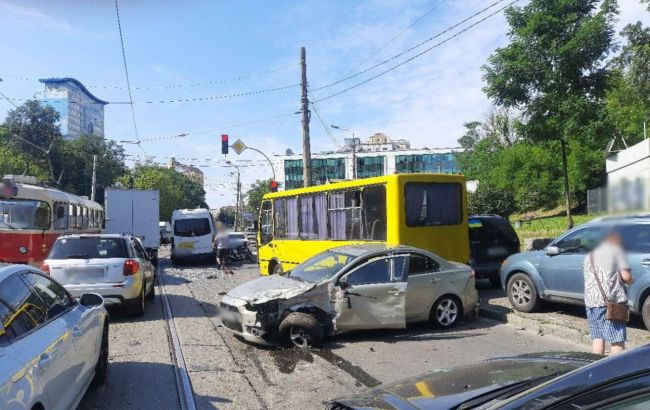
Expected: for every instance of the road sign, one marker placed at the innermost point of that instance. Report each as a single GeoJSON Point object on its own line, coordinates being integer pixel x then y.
{"type": "Point", "coordinates": [238, 146]}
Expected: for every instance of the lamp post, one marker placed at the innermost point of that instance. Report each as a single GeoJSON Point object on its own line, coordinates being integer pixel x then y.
{"type": "Point", "coordinates": [354, 149]}
{"type": "Point", "coordinates": [237, 215]}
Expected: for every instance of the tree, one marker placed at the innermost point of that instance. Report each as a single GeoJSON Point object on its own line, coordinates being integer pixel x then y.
{"type": "Point", "coordinates": [489, 199]}
{"type": "Point", "coordinates": [256, 192]}
{"type": "Point", "coordinates": [34, 131]}
{"type": "Point", "coordinates": [554, 71]}
{"type": "Point", "coordinates": [177, 191]}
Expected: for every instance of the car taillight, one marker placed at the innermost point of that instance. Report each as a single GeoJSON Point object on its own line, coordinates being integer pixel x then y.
{"type": "Point", "coordinates": [45, 268]}
{"type": "Point", "coordinates": [131, 267]}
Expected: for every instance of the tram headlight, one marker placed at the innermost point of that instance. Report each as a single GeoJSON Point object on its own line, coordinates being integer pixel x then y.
{"type": "Point", "coordinates": [22, 249]}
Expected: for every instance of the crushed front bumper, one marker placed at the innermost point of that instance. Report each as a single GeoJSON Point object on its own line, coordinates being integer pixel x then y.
{"type": "Point", "coordinates": [238, 319]}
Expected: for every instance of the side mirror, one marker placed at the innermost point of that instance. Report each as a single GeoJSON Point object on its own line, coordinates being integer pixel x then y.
{"type": "Point", "coordinates": [552, 250]}
{"type": "Point", "coordinates": [343, 283]}
{"type": "Point", "coordinates": [91, 300]}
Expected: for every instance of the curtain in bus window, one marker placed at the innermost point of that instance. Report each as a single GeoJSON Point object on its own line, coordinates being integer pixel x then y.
{"type": "Point", "coordinates": [307, 218]}
{"type": "Point", "coordinates": [337, 215]}
{"type": "Point", "coordinates": [320, 206]}
{"type": "Point", "coordinates": [414, 195]}
{"type": "Point", "coordinates": [279, 210]}
{"type": "Point", "coordinates": [353, 214]}
{"type": "Point", "coordinates": [374, 213]}
{"type": "Point", "coordinates": [433, 204]}
{"type": "Point", "coordinates": [292, 218]}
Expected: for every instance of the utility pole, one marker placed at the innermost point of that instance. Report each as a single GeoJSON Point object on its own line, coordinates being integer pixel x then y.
{"type": "Point", "coordinates": [306, 147]}
{"type": "Point", "coordinates": [94, 183]}
{"type": "Point", "coordinates": [354, 157]}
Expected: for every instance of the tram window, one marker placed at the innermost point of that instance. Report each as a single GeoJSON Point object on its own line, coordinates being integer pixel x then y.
{"type": "Point", "coordinates": [84, 217]}
{"type": "Point", "coordinates": [73, 212]}
{"type": "Point", "coordinates": [60, 215]}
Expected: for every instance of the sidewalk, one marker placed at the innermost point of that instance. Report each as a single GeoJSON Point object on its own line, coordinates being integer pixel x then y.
{"type": "Point", "coordinates": [565, 321]}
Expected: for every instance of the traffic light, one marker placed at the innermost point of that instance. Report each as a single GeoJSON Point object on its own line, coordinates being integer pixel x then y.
{"type": "Point", "coordinates": [224, 144]}
{"type": "Point", "coordinates": [274, 186]}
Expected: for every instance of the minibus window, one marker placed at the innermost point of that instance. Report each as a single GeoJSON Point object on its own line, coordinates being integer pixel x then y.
{"type": "Point", "coordinates": [374, 213]}
{"type": "Point", "coordinates": [280, 217]}
{"type": "Point", "coordinates": [266, 223]}
{"type": "Point", "coordinates": [433, 204]}
{"type": "Point", "coordinates": [292, 218]}
{"type": "Point", "coordinates": [308, 225]}
{"type": "Point", "coordinates": [345, 215]}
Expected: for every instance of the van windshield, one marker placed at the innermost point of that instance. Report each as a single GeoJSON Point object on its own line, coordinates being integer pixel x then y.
{"type": "Point", "coordinates": [192, 227]}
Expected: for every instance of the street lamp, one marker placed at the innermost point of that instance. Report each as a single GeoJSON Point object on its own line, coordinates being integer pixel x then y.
{"type": "Point", "coordinates": [237, 215]}
{"type": "Point", "coordinates": [354, 149]}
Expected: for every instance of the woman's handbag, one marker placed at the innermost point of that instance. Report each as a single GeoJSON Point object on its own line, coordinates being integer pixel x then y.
{"type": "Point", "coordinates": [616, 312]}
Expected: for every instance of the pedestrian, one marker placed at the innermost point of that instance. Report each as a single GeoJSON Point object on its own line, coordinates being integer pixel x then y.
{"type": "Point", "coordinates": [222, 244]}
{"type": "Point", "coordinates": [606, 271]}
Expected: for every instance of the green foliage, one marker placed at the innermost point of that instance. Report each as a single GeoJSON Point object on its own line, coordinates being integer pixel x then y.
{"type": "Point", "coordinates": [177, 191]}
{"type": "Point", "coordinates": [490, 199]}
{"type": "Point", "coordinates": [256, 192]}
{"type": "Point", "coordinates": [12, 161]}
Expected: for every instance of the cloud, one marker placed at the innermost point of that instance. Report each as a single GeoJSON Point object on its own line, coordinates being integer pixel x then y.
{"type": "Point", "coordinates": [33, 17]}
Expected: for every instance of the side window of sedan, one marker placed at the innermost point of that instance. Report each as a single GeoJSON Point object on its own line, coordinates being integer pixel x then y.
{"type": "Point", "coordinates": [28, 308]}
{"type": "Point", "coordinates": [375, 271]}
{"type": "Point", "coordinates": [139, 250]}
{"type": "Point", "coordinates": [54, 296]}
{"type": "Point", "coordinates": [419, 264]}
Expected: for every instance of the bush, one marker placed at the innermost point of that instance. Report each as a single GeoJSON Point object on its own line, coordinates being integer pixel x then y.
{"type": "Point", "coordinates": [489, 199]}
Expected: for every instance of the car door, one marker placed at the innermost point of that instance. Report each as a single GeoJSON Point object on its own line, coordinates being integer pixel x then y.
{"type": "Point", "coordinates": [636, 242]}
{"type": "Point", "coordinates": [373, 296]}
{"type": "Point", "coordinates": [40, 342]}
{"type": "Point", "coordinates": [80, 326]}
{"type": "Point", "coordinates": [146, 265]}
{"type": "Point", "coordinates": [562, 273]}
{"type": "Point", "coordinates": [423, 286]}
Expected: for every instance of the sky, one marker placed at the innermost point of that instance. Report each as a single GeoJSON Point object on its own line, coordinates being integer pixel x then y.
{"type": "Point", "coordinates": [218, 50]}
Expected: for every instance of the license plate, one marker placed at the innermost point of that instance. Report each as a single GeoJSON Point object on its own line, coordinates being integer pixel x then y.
{"type": "Point", "coordinates": [186, 245]}
{"type": "Point", "coordinates": [497, 251]}
{"type": "Point", "coordinates": [229, 316]}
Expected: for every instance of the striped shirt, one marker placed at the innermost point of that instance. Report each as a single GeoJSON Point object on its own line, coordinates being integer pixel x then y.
{"type": "Point", "coordinates": [609, 259]}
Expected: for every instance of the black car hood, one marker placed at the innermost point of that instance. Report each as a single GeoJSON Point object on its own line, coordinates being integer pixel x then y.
{"type": "Point", "coordinates": [448, 388]}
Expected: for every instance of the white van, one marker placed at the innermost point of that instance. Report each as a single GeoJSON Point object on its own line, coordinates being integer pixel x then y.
{"type": "Point", "coordinates": [193, 233]}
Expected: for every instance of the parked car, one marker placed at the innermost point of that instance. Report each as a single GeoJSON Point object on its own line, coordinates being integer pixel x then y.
{"type": "Point", "coordinates": [491, 240]}
{"type": "Point", "coordinates": [533, 381]}
{"type": "Point", "coordinates": [51, 346]}
{"type": "Point", "coordinates": [114, 266]}
{"type": "Point", "coordinates": [556, 273]}
{"type": "Point", "coordinates": [194, 233]}
{"type": "Point", "coordinates": [369, 286]}
{"type": "Point", "coordinates": [165, 236]}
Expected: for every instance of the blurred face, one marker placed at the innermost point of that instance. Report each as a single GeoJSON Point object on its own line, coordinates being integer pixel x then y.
{"type": "Point", "coordinates": [613, 237]}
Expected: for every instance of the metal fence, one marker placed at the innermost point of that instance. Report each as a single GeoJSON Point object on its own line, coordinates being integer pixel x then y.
{"type": "Point", "coordinates": [597, 200]}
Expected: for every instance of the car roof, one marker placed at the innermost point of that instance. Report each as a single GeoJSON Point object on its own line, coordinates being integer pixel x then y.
{"type": "Point", "coordinates": [487, 216]}
{"type": "Point", "coordinates": [7, 269]}
{"type": "Point", "coordinates": [623, 218]}
{"type": "Point", "coordinates": [96, 235]}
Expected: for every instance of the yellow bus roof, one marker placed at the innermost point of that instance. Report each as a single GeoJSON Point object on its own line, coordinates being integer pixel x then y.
{"type": "Point", "coordinates": [419, 177]}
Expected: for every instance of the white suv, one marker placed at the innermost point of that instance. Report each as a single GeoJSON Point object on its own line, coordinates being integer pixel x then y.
{"type": "Point", "coordinates": [112, 265]}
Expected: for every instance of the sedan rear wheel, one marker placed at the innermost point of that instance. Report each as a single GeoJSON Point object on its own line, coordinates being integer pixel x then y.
{"type": "Point", "coordinates": [446, 312]}
{"type": "Point", "coordinates": [522, 293]}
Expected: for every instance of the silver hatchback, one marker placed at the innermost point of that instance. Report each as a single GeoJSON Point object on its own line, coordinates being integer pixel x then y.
{"type": "Point", "coordinates": [114, 266]}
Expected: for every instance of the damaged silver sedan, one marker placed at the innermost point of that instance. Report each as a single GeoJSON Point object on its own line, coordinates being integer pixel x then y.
{"type": "Point", "coordinates": [351, 288]}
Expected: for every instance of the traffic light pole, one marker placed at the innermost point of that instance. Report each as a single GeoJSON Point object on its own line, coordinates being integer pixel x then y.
{"type": "Point", "coordinates": [265, 156]}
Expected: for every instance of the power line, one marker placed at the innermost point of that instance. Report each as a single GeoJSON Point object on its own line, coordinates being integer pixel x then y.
{"type": "Point", "coordinates": [345, 78]}
{"type": "Point", "coordinates": [320, 119]}
{"type": "Point", "coordinates": [419, 54]}
{"type": "Point", "coordinates": [126, 72]}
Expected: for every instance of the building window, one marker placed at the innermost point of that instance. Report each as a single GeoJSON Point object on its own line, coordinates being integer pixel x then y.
{"type": "Point", "coordinates": [293, 174]}
{"type": "Point", "coordinates": [437, 163]}
{"type": "Point", "coordinates": [327, 169]}
{"type": "Point", "coordinates": [370, 167]}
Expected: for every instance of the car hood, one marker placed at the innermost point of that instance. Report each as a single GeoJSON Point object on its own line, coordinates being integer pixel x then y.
{"type": "Point", "coordinates": [264, 289]}
{"type": "Point", "coordinates": [533, 257]}
{"type": "Point", "coordinates": [448, 388]}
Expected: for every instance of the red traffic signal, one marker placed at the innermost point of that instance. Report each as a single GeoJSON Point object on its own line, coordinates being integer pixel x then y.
{"type": "Point", "coordinates": [274, 186]}
{"type": "Point", "coordinates": [224, 144]}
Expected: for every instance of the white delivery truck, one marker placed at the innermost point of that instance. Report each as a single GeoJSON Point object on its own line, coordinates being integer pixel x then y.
{"type": "Point", "coordinates": [134, 211]}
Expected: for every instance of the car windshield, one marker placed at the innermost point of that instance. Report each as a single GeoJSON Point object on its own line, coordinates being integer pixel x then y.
{"type": "Point", "coordinates": [24, 214]}
{"type": "Point", "coordinates": [192, 227]}
{"type": "Point", "coordinates": [88, 248]}
{"type": "Point", "coordinates": [320, 267]}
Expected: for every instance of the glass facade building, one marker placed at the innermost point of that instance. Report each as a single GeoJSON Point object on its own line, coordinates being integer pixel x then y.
{"type": "Point", "coordinates": [370, 166]}
{"type": "Point", "coordinates": [322, 169]}
{"type": "Point", "coordinates": [441, 163]}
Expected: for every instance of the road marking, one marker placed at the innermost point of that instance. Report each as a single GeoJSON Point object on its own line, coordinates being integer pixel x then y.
{"type": "Point", "coordinates": [183, 384]}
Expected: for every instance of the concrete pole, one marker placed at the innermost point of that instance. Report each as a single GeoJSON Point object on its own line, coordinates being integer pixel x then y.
{"type": "Point", "coordinates": [93, 188]}
{"type": "Point", "coordinates": [306, 146]}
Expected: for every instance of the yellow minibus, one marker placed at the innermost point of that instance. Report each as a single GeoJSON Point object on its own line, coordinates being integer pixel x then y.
{"type": "Point", "coordinates": [428, 211]}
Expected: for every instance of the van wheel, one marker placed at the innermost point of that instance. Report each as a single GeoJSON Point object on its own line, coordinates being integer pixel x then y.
{"type": "Point", "coordinates": [302, 330]}
{"type": "Point", "coordinates": [522, 293]}
{"type": "Point", "coordinates": [277, 269]}
{"type": "Point", "coordinates": [446, 312]}
{"type": "Point", "coordinates": [101, 368]}
{"type": "Point", "coordinates": [645, 312]}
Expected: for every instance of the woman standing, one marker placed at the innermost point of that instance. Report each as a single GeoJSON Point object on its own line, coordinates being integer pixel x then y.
{"type": "Point", "coordinates": [606, 270]}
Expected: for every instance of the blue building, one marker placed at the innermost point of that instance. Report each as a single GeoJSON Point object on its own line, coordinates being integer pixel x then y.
{"type": "Point", "coordinates": [81, 112]}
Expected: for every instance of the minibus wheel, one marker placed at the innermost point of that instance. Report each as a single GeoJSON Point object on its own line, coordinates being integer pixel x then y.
{"type": "Point", "coordinates": [277, 268]}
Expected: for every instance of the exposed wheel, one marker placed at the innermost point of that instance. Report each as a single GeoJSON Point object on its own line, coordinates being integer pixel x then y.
{"type": "Point", "coordinates": [495, 281]}
{"type": "Point", "coordinates": [152, 293]}
{"type": "Point", "coordinates": [101, 368]}
{"type": "Point", "coordinates": [302, 330]}
{"type": "Point", "coordinates": [138, 308]}
{"type": "Point", "coordinates": [522, 293]}
{"type": "Point", "coordinates": [446, 312]}
{"type": "Point", "coordinates": [645, 312]}
{"type": "Point", "coordinates": [277, 269]}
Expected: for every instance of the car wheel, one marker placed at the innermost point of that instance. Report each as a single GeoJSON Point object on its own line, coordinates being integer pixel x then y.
{"type": "Point", "coordinates": [645, 312]}
{"type": "Point", "coordinates": [277, 269]}
{"type": "Point", "coordinates": [302, 330]}
{"type": "Point", "coordinates": [522, 293]}
{"type": "Point", "coordinates": [495, 281]}
{"type": "Point", "coordinates": [101, 368]}
{"type": "Point", "coordinates": [446, 312]}
{"type": "Point", "coordinates": [138, 308]}
{"type": "Point", "coordinates": [152, 293]}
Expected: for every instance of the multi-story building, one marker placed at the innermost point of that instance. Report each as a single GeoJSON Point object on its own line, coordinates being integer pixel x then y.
{"type": "Point", "coordinates": [192, 172]}
{"type": "Point", "coordinates": [81, 112]}
{"type": "Point", "coordinates": [379, 156]}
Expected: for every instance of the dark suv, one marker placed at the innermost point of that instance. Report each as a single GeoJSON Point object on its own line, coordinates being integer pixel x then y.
{"type": "Point", "coordinates": [491, 241]}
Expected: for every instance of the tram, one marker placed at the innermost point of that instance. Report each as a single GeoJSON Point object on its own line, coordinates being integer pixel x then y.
{"type": "Point", "coordinates": [32, 217]}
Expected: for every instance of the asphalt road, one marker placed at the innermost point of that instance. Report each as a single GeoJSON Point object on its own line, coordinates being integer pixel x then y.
{"type": "Point", "coordinates": [227, 373]}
